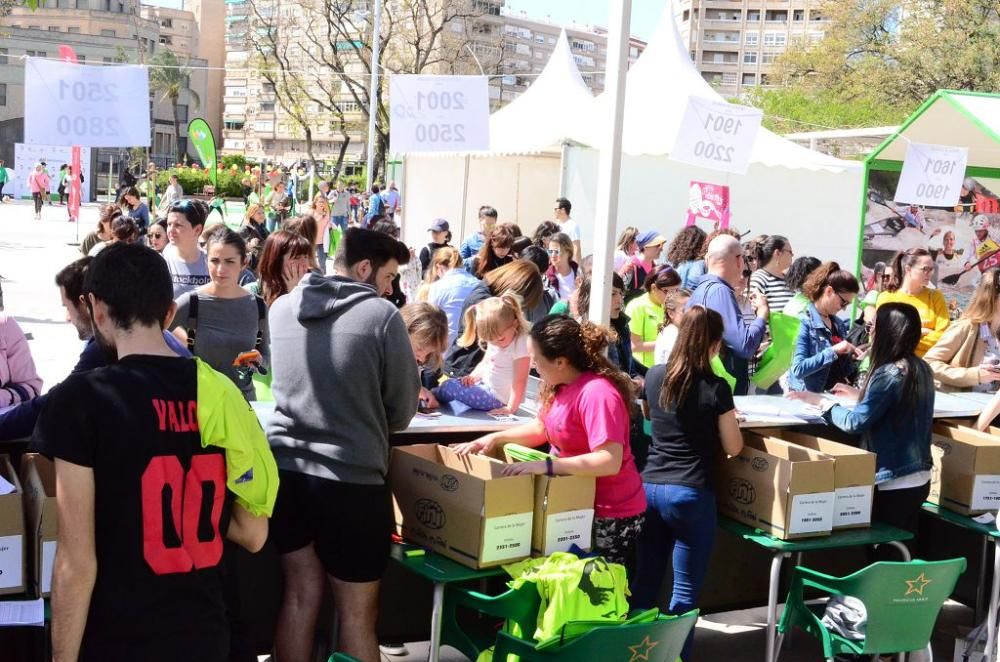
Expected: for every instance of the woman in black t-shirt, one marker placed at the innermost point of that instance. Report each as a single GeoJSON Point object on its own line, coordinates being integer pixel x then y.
{"type": "Point", "coordinates": [693, 421]}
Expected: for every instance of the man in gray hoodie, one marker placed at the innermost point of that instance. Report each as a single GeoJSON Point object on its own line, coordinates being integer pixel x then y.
{"type": "Point", "coordinates": [344, 378]}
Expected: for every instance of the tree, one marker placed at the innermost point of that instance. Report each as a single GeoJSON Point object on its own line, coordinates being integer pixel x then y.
{"type": "Point", "coordinates": [168, 78]}
{"type": "Point", "coordinates": [880, 59]}
{"type": "Point", "coordinates": [329, 63]}
{"type": "Point", "coordinates": [800, 108]}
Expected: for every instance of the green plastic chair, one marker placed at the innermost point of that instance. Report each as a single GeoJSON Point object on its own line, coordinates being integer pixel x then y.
{"type": "Point", "coordinates": [518, 605]}
{"type": "Point", "coordinates": [658, 641]}
{"type": "Point", "coordinates": [902, 601]}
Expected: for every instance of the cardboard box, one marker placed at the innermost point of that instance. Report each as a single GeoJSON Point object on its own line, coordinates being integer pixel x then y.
{"type": "Point", "coordinates": [11, 533]}
{"type": "Point", "coordinates": [966, 474]}
{"type": "Point", "coordinates": [563, 514]}
{"type": "Point", "coordinates": [853, 476]}
{"type": "Point", "coordinates": [41, 517]}
{"type": "Point", "coordinates": [778, 487]}
{"type": "Point", "coordinates": [461, 507]}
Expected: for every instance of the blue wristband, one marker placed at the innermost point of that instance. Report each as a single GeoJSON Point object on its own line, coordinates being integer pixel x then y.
{"type": "Point", "coordinates": [548, 467]}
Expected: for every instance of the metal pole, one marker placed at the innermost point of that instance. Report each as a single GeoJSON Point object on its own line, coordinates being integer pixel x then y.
{"type": "Point", "coordinates": [609, 166]}
{"type": "Point", "coordinates": [111, 180]}
{"type": "Point", "coordinates": [372, 91]}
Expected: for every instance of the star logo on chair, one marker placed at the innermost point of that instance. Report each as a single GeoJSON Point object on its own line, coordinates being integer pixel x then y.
{"type": "Point", "coordinates": [641, 650]}
{"type": "Point", "coordinates": [917, 585]}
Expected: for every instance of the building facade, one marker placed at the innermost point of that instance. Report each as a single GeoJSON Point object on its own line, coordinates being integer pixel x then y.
{"type": "Point", "coordinates": [509, 47]}
{"type": "Point", "coordinates": [101, 32]}
{"type": "Point", "coordinates": [734, 43]}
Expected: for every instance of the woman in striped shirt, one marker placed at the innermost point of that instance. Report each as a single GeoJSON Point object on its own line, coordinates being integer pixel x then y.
{"type": "Point", "coordinates": [774, 256]}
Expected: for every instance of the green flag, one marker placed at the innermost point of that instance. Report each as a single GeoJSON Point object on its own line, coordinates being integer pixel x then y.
{"type": "Point", "coordinates": [200, 135]}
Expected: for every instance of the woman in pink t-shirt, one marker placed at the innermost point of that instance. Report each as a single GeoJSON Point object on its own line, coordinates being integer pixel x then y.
{"type": "Point", "coordinates": [584, 417]}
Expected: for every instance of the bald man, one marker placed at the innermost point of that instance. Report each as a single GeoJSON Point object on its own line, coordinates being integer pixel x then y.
{"type": "Point", "coordinates": [716, 291]}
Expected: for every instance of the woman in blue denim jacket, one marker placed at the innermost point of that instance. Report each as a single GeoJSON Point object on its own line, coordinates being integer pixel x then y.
{"type": "Point", "coordinates": [894, 416]}
{"type": "Point", "coordinates": [823, 357]}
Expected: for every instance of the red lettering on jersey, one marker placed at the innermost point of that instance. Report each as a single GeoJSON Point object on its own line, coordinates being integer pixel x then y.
{"type": "Point", "coordinates": [176, 416]}
{"type": "Point", "coordinates": [193, 415]}
{"type": "Point", "coordinates": [187, 492]}
{"type": "Point", "coordinates": [161, 413]}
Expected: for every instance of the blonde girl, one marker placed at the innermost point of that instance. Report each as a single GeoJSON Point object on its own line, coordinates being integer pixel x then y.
{"type": "Point", "coordinates": [497, 384]}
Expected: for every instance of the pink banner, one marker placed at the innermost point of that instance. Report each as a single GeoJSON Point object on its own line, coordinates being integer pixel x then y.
{"type": "Point", "coordinates": [708, 202]}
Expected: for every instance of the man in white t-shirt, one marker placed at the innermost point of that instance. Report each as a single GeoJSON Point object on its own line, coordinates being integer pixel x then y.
{"type": "Point", "coordinates": [567, 225]}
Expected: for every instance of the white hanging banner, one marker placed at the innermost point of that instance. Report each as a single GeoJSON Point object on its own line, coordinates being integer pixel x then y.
{"type": "Point", "coordinates": [86, 105]}
{"type": "Point", "coordinates": [439, 114]}
{"type": "Point", "coordinates": [717, 135]}
{"type": "Point", "coordinates": [932, 175]}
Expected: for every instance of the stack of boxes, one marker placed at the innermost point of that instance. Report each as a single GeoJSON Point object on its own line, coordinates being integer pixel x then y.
{"type": "Point", "coordinates": [28, 527]}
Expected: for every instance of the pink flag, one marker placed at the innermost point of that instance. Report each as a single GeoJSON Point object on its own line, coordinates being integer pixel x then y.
{"type": "Point", "coordinates": [708, 202]}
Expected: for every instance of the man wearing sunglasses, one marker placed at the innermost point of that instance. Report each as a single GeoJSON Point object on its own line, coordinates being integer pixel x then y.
{"type": "Point", "coordinates": [724, 271]}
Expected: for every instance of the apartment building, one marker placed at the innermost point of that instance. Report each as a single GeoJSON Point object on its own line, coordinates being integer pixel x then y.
{"type": "Point", "coordinates": [527, 43]}
{"type": "Point", "coordinates": [254, 121]}
{"type": "Point", "coordinates": [100, 31]}
{"type": "Point", "coordinates": [734, 43]}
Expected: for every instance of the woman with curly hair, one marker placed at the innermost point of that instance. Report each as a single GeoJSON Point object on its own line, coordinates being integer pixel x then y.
{"type": "Point", "coordinates": [584, 417]}
{"type": "Point", "coordinates": [687, 254]}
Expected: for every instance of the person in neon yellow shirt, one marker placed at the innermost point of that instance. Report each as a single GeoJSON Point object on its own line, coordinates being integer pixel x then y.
{"type": "Point", "coordinates": [912, 271]}
{"type": "Point", "coordinates": [645, 313]}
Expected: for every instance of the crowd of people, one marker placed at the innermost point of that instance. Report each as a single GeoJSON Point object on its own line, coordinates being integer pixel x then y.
{"type": "Point", "coordinates": [351, 331]}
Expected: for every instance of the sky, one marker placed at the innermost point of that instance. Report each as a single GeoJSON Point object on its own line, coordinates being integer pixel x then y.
{"type": "Point", "coordinates": [645, 13]}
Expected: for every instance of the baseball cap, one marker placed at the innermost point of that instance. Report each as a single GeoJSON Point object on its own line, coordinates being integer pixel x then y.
{"type": "Point", "coordinates": [439, 225]}
{"type": "Point", "coordinates": [651, 238]}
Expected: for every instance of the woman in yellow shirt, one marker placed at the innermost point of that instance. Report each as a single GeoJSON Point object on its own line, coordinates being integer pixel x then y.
{"type": "Point", "coordinates": [911, 274]}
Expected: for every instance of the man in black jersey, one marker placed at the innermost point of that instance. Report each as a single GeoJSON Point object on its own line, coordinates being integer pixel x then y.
{"type": "Point", "coordinates": [142, 505]}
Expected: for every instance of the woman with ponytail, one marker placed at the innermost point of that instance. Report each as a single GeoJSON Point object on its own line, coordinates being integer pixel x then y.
{"type": "Point", "coordinates": [912, 271]}
{"type": "Point", "coordinates": [584, 416]}
{"type": "Point", "coordinates": [774, 257]}
{"type": "Point", "coordinates": [694, 425]}
{"type": "Point", "coordinates": [823, 356]}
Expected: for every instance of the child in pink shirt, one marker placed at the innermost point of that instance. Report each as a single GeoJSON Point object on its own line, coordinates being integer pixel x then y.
{"type": "Point", "coordinates": [584, 417]}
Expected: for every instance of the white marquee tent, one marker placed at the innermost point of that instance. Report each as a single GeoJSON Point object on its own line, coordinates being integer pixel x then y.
{"type": "Point", "coordinates": [520, 174]}
{"type": "Point", "coordinates": [809, 197]}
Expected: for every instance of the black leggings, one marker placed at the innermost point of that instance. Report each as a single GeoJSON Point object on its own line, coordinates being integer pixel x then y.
{"type": "Point", "coordinates": [901, 509]}
{"type": "Point", "coordinates": [37, 197]}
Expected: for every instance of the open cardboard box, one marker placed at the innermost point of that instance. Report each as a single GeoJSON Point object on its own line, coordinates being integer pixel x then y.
{"type": "Point", "coordinates": [778, 487]}
{"type": "Point", "coordinates": [966, 474]}
{"type": "Point", "coordinates": [461, 507]}
{"type": "Point", "coordinates": [38, 477]}
{"type": "Point", "coordinates": [563, 514]}
{"type": "Point", "coordinates": [853, 476]}
{"type": "Point", "coordinates": [11, 533]}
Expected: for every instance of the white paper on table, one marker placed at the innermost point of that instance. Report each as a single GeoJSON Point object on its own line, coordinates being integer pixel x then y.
{"type": "Point", "coordinates": [22, 612]}
{"type": "Point", "coordinates": [775, 406]}
{"type": "Point", "coordinates": [5, 487]}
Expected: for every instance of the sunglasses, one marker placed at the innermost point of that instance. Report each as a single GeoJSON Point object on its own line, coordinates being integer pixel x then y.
{"type": "Point", "coordinates": [182, 205]}
{"type": "Point", "coordinates": [554, 251]}
{"type": "Point", "coordinates": [155, 235]}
